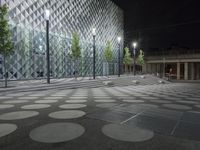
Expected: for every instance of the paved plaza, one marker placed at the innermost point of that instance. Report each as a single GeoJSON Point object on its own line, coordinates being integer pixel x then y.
{"type": "Point", "coordinates": [143, 117]}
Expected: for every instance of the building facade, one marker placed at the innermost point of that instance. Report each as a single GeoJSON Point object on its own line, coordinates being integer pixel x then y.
{"type": "Point", "coordinates": [28, 25]}
{"type": "Point", "coordinates": [184, 64]}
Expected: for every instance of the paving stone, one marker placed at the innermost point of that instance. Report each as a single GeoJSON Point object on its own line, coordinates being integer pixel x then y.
{"type": "Point", "coordinates": [133, 109]}
{"type": "Point", "coordinates": [177, 107]}
{"type": "Point", "coordinates": [191, 117]}
{"type": "Point", "coordinates": [110, 116]}
{"type": "Point", "coordinates": [106, 105]}
{"type": "Point", "coordinates": [188, 131]}
{"type": "Point", "coordinates": [163, 113]}
{"type": "Point", "coordinates": [157, 124]}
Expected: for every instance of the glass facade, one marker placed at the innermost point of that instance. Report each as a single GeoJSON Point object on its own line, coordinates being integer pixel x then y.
{"type": "Point", "coordinates": [67, 16]}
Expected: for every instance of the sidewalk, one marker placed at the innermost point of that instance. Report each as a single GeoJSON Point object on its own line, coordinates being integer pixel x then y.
{"type": "Point", "coordinates": [81, 82]}
{"type": "Point", "coordinates": [55, 83]}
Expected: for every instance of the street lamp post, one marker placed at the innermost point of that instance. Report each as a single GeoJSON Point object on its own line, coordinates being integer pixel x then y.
{"type": "Point", "coordinates": [134, 51]}
{"type": "Point", "coordinates": [47, 14]}
{"type": "Point", "coordinates": [94, 52]}
{"type": "Point", "coordinates": [119, 63]}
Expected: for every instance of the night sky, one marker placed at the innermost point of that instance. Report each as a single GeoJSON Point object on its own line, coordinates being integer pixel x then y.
{"type": "Point", "coordinates": [162, 23]}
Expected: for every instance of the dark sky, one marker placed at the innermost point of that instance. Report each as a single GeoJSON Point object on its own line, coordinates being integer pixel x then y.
{"type": "Point", "coordinates": [162, 23]}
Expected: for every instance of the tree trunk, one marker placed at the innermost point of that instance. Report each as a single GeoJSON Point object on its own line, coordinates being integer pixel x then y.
{"type": "Point", "coordinates": [75, 69]}
{"type": "Point", "coordinates": [113, 68]}
{"type": "Point", "coordinates": [126, 70]}
{"type": "Point", "coordinates": [108, 69]}
{"type": "Point", "coordinates": [5, 70]}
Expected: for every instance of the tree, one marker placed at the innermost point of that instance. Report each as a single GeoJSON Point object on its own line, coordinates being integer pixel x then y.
{"type": "Point", "coordinates": [141, 58]}
{"type": "Point", "coordinates": [127, 58]}
{"type": "Point", "coordinates": [6, 44]}
{"type": "Point", "coordinates": [108, 53]}
{"type": "Point", "coordinates": [75, 51]}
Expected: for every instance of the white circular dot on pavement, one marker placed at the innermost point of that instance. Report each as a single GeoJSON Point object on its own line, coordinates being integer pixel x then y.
{"type": "Point", "coordinates": [76, 101]}
{"type": "Point", "coordinates": [36, 95]}
{"type": "Point", "coordinates": [134, 101]}
{"type": "Point", "coordinates": [50, 98]}
{"type": "Point", "coordinates": [5, 97]}
{"type": "Point", "coordinates": [106, 105]}
{"type": "Point", "coordinates": [18, 94]}
{"type": "Point", "coordinates": [27, 98]}
{"type": "Point", "coordinates": [18, 115]}
{"type": "Point", "coordinates": [161, 101]}
{"type": "Point", "coordinates": [195, 112]}
{"type": "Point", "coordinates": [72, 106]}
{"type": "Point", "coordinates": [79, 97]}
{"type": "Point", "coordinates": [57, 132]}
{"type": "Point", "coordinates": [126, 133]}
{"type": "Point", "coordinates": [36, 106]}
{"type": "Point", "coordinates": [16, 101]}
{"type": "Point", "coordinates": [105, 101]}
{"type": "Point", "coordinates": [6, 129]}
{"type": "Point", "coordinates": [67, 114]}
{"type": "Point", "coordinates": [46, 101]}
{"type": "Point", "coordinates": [198, 106]}
{"type": "Point", "coordinates": [188, 102]}
{"type": "Point", "coordinates": [176, 106]}
{"type": "Point", "coordinates": [6, 106]}
{"type": "Point", "coordinates": [58, 95]}
{"type": "Point", "coordinates": [102, 97]}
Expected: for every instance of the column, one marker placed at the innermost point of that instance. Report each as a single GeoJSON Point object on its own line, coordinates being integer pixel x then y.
{"type": "Point", "coordinates": [144, 68]}
{"type": "Point", "coordinates": [158, 68]}
{"type": "Point", "coordinates": [192, 71]}
{"type": "Point", "coordinates": [148, 68]}
{"type": "Point", "coordinates": [178, 71]}
{"type": "Point", "coordinates": [154, 68]}
{"type": "Point", "coordinates": [186, 71]}
{"type": "Point", "coordinates": [197, 71]}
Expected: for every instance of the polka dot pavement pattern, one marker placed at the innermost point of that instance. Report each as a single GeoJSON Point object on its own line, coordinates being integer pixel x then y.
{"type": "Point", "coordinates": [132, 116]}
